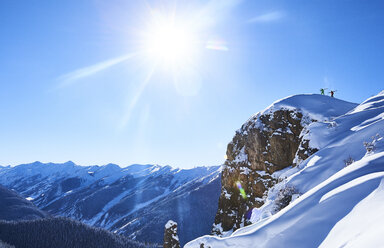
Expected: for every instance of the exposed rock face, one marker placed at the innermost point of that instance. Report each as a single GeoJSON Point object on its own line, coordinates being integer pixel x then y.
{"type": "Point", "coordinates": [305, 150]}
{"type": "Point", "coordinates": [266, 143]}
{"type": "Point", "coordinates": [171, 240]}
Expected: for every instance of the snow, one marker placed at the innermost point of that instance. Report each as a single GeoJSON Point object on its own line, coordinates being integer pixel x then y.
{"type": "Point", "coordinates": [362, 227]}
{"type": "Point", "coordinates": [129, 223]}
{"type": "Point", "coordinates": [138, 170]}
{"type": "Point", "coordinates": [368, 122]}
{"type": "Point", "coordinates": [51, 172]}
{"type": "Point", "coordinates": [245, 170]}
{"type": "Point", "coordinates": [315, 106]}
{"type": "Point", "coordinates": [170, 223]}
{"type": "Point", "coordinates": [339, 205]}
{"type": "Point", "coordinates": [226, 194]}
{"type": "Point", "coordinates": [107, 207]}
{"type": "Point", "coordinates": [371, 103]}
{"type": "Point", "coordinates": [241, 157]}
{"type": "Point", "coordinates": [313, 160]}
{"type": "Point", "coordinates": [351, 184]}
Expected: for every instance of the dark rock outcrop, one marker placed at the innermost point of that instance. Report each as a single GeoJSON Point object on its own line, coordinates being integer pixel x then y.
{"type": "Point", "coordinates": [171, 239]}
{"type": "Point", "coordinates": [266, 143]}
{"type": "Point", "coordinates": [305, 150]}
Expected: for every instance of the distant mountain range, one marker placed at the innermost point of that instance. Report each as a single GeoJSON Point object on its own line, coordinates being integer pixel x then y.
{"type": "Point", "coordinates": [136, 201]}
{"type": "Point", "coordinates": [23, 225]}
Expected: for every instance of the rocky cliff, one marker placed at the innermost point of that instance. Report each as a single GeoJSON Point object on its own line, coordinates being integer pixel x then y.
{"type": "Point", "coordinates": [171, 239]}
{"type": "Point", "coordinates": [267, 143]}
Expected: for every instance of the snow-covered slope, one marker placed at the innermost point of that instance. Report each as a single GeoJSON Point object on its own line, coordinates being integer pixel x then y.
{"type": "Point", "coordinates": [135, 201]}
{"type": "Point", "coordinates": [337, 196]}
{"type": "Point", "coordinates": [315, 106]}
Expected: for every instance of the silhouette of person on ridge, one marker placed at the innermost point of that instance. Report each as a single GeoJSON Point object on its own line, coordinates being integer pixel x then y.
{"type": "Point", "coordinates": [322, 91]}
{"type": "Point", "coordinates": [332, 93]}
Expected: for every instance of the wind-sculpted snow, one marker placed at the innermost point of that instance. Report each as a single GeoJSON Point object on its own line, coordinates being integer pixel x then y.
{"type": "Point", "coordinates": [136, 201]}
{"type": "Point", "coordinates": [340, 190]}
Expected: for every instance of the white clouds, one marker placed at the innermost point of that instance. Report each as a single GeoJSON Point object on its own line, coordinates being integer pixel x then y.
{"type": "Point", "coordinates": [268, 17]}
{"type": "Point", "coordinates": [71, 77]}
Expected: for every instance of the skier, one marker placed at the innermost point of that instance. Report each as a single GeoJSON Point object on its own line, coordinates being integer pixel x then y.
{"type": "Point", "coordinates": [322, 91]}
{"type": "Point", "coordinates": [332, 93]}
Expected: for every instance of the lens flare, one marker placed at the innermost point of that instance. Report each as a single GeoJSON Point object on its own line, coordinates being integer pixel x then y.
{"type": "Point", "coordinates": [242, 192]}
{"type": "Point", "coordinates": [219, 45]}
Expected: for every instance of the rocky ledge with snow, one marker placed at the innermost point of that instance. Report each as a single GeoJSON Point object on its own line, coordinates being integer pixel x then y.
{"type": "Point", "coordinates": [171, 239]}
{"type": "Point", "coordinates": [333, 198]}
{"type": "Point", "coordinates": [268, 142]}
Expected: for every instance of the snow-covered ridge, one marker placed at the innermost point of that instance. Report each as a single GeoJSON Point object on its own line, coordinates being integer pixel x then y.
{"type": "Point", "coordinates": [109, 172]}
{"type": "Point", "coordinates": [314, 106]}
{"type": "Point", "coordinates": [340, 189]}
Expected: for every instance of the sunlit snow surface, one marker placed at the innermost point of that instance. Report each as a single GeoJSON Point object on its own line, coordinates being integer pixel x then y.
{"type": "Point", "coordinates": [340, 206]}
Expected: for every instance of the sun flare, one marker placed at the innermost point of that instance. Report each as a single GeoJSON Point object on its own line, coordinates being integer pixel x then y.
{"type": "Point", "coordinates": [170, 44]}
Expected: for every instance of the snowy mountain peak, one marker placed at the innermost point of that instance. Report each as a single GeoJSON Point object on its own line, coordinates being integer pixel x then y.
{"type": "Point", "coordinates": [69, 163]}
{"type": "Point", "coordinates": [315, 106]}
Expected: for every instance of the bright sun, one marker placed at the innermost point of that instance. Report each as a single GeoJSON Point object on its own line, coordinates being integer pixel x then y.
{"type": "Point", "coordinates": [170, 44]}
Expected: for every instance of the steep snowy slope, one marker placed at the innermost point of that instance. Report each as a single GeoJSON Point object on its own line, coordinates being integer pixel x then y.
{"type": "Point", "coordinates": [337, 193]}
{"type": "Point", "coordinates": [135, 201]}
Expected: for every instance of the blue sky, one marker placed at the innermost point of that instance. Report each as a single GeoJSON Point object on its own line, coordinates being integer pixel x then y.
{"type": "Point", "coordinates": [74, 84]}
